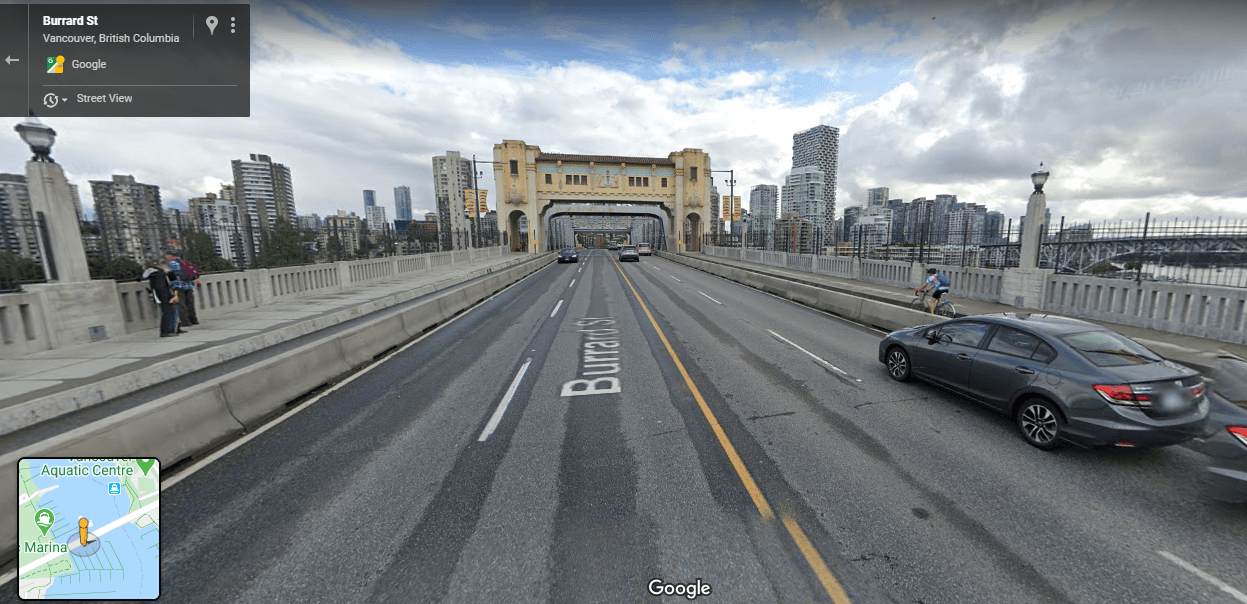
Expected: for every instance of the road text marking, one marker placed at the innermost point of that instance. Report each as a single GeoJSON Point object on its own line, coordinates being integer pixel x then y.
{"type": "Point", "coordinates": [1222, 585]}
{"type": "Point", "coordinates": [711, 299]}
{"type": "Point", "coordinates": [556, 309]}
{"type": "Point", "coordinates": [599, 356]}
{"type": "Point", "coordinates": [812, 355]}
{"type": "Point", "coordinates": [506, 401]}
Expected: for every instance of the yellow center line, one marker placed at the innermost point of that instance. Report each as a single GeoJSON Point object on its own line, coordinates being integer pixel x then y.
{"type": "Point", "coordinates": [816, 562]}
{"type": "Point", "coordinates": [812, 557]}
{"type": "Point", "coordinates": [759, 501]}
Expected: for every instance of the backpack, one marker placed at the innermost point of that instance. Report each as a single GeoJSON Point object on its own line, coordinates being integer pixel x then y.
{"type": "Point", "coordinates": [945, 282]}
{"type": "Point", "coordinates": [189, 269]}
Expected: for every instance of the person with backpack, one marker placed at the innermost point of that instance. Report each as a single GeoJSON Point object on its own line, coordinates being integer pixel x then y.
{"type": "Point", "coordinates": [186, 277]}
{"type": "Point", "coordinates": [939, 284]}
{"type": "Point", "coordinates": [165, 296]}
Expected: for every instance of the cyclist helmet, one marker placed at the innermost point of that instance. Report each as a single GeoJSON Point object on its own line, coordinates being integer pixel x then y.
{"type": "Point", "coordinates": [932, 271]}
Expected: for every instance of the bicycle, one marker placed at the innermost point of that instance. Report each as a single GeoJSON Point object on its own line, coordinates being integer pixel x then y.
{"type": "Point", "coordinates": [944, 308]}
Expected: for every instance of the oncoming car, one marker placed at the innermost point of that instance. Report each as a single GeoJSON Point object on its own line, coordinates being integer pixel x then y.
{"type": "Point", "coordinates": [1056, 378]}
{"type": "Point", "coordinates": [629, 253]}
{"type": "Point", "coordinates": [568, 254]}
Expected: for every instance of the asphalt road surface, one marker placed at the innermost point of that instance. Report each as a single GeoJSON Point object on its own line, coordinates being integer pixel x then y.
{"type": "Point", "coordinates": [756, 446]}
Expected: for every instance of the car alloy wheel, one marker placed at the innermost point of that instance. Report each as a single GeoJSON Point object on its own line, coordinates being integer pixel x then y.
{"type": "Point", "coordinates": [1040, 424]}
{"type": "Point", "coordinates": [898, 364]}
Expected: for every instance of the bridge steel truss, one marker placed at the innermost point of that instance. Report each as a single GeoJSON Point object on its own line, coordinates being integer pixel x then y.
{"type": "Point", "coordinates": [1079, 256]}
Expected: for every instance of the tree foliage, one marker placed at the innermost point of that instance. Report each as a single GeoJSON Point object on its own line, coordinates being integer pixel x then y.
{"type": "Point", "coordinates": [200, 252]}
{"type": "Point", "coordinates": [282, 246]}
{"type": "Point", "coordinates": [119, 269]}
{"type": "Point", "coordinates": [16, 269]}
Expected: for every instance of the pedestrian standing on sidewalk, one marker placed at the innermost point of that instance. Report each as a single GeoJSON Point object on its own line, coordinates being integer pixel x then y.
{"type": "Point", "coordinates": [184, 282]}
{"type": "Point", "coordinates": [158, 285]}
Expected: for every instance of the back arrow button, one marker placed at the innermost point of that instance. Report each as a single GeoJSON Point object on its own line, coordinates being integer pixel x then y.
{"type": "Point", "coordinates": [10, 60]}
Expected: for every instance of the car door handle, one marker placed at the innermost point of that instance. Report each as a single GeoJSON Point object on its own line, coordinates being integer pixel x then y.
{"type": "Point", "coordinates": [1024, 370]}
{"type": "Point", "coordinates": [963, 356]}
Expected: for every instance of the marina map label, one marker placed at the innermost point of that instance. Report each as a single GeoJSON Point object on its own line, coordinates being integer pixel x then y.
{"type": "Point", "coordinates": [88, 529]}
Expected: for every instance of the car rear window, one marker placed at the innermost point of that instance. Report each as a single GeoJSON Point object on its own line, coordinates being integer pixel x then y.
{"type": "Point", "coordinates": [1109, 349]}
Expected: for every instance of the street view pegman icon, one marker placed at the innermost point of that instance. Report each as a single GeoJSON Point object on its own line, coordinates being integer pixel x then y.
{"type": "Point", "coordinates": [56, 64]}
{"type": "Point", "coordinates": [44, 519]}
{"type": "Point", "coordinates": [82, 530]}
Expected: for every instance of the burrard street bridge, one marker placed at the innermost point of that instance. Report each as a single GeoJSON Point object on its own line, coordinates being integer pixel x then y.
{"type": "Point", "coordinates": [664, 201]}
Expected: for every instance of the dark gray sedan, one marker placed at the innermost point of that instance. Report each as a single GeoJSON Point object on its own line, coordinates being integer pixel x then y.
{"type": "Point", "coordinates": [1057, 378]}
{"type": "Point", "coordinates": [1226, 442]}
{"type": "Point", "coordinates": [568, 255]}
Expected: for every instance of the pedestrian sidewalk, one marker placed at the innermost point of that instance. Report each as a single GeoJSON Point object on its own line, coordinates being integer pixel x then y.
{"type": "Point", "coordinates": [39, 386]}
{"type": "Point", "coordinates": [1195, 352]}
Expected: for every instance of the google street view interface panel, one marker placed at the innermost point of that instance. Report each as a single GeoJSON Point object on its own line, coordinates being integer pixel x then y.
{"type": "Point", "coordinates": [579, 301]}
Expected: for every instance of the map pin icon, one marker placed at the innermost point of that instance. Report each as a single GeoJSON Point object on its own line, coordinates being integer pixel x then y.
{"type": "Point", "coordinates": [211, 25]}
{"type": "Point", "coordinates": [146, 464]}
{"type": "Point", "coordinates": [44, 519]}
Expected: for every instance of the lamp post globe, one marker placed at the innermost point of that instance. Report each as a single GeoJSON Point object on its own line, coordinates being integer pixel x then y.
{"type": "Point", "coordinates": [1039, 177]}
{"type": "Point", "coordinates": [39, 136]}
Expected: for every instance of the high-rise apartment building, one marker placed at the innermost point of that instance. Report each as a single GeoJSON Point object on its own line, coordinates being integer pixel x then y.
{"type": "Point", "coordinates": [370, 198]}
{"type": "Point", "coordinates": [131, 218]}
{"type": "Point", "coordinates": [17, 219]}
{"type": "Point", "coordinates": [451, 175]}
{"type": "Point", "coordinates": [374, 219]}
{"type": "Point", "coordinates": [820, 146]}
{"type": "Point", "coordinates": [402, 202]}
{"type": "Point", "coordinates": [340, 235]}
{"type": "Point", "coordinates": [764, 207]}
{"type": "Point", "coordinates": [794, 235]}
{"type": "Point", "coordinates": [993, 227]}
{"type": "Point", "coordinates": [966, 225]}
{"type": "Point", "coordinates": [223, 221]}
{"type": "Point", "coordinates": [871, 229]}
{"type": "Point", "coordinates": [803, 195]}
{"type": "Point", "coordinates": [265, 192]}
{"type": "Point", "coordinates": [877, 197]}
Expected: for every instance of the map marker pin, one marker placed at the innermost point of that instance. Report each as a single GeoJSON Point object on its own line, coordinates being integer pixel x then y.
{"type": "Point", "coordinates": [211, 25]}
{"type": "Point", "coordinates": [146, 464]}
{"type": "Point", "coordinates": [44, 519]}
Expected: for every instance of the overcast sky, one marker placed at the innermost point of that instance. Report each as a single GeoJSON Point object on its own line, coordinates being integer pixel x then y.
{"type": "Point", "coordinates": [1135, 106]}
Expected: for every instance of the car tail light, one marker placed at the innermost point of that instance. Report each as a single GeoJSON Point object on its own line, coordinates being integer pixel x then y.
{"type": "Point", "coordinates": [1239, 432]}
{"type": "Point", "coordinates": [1123, 394]}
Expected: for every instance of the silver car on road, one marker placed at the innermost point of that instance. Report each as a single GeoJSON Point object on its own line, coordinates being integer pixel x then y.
{"type": "Point", "coordinates": [1057, 378]}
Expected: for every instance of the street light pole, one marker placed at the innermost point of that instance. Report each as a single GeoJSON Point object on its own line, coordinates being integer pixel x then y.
{"type": "Point", "coordinates": [731, 204]}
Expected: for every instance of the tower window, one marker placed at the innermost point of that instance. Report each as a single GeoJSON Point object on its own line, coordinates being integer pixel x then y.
{"type": "Point", "coordinates": [515, 168]}
{"type": "Point", "coordinates": [549, 179]}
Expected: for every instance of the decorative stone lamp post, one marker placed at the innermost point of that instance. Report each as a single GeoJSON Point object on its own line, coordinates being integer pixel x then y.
{"type": "Point", "coordinates": [71, 308]}
{"type": "Point", "coordinates": [1024, 286]}
{"type": "Point", "coordinates": [53, 204]}
{"type": "Point", "coordinates": [1035, 208]}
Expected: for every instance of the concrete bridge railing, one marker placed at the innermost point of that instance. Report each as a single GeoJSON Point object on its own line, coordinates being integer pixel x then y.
{"type": "Point", "coordinates": [1206, 311]}
{"type": "Point", "coordinates": [25, 328]}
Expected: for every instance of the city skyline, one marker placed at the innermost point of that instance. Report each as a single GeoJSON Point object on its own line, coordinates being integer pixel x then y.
{"type": "Point", "coordinates": [929, 98]}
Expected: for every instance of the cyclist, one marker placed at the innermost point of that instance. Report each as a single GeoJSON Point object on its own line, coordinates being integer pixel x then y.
{"type": "Point", "coordinates": [938, 282]}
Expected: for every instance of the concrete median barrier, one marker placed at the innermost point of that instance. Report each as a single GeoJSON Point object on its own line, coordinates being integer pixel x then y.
{"type": "Point", "coordinates": [170, 428]}
{"type": "Point", "coordinates": [863, 310]}
{"type": "Point", "coordinates": [199, 418]}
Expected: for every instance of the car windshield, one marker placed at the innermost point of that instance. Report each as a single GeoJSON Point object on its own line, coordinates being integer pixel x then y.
{"type": "Point", "coordinates": [1110, 349]}
{"type": "Point", "coordinates": [569, 251]}
{"type": "Point", "coordinates": [1230, 381]}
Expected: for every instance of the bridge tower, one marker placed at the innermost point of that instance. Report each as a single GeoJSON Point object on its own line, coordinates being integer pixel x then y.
{"type": "Point", "coordinates": [532, 184]}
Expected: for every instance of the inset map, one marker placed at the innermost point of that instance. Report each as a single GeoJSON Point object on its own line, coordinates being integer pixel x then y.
{"type": "Point", "coordinates": [88, 529]}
